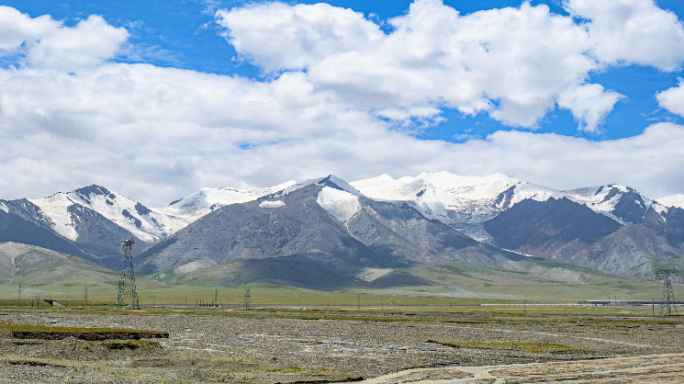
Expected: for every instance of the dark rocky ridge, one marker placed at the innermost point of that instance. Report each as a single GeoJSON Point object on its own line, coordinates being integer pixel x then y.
{"type": "Point", "coordinates": [572, 233]}
{"type": "Point", "coordinates": [634, 251]}
{"type": "Point", "coordinates": [549, 227]}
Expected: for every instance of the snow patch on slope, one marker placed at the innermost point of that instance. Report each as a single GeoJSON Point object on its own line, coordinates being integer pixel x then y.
{"type": "Point", "coordinates": [341, 204]}
{"type": "Point", "coordinates": [272, 204]}
{"type": "Point", "coordinates": [4, 208]}
{"type": "Point", "coordinates": [672, 201]}
{"type": "Point", "coordinates": [55, 207]}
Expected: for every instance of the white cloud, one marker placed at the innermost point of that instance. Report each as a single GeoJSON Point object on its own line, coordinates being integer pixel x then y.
{"type": "Point", "coordinates": [632, 32]}
{"type": "Point", "coordinates": [673, 99]}
{"type": "Point", "coordinates": [294, 37]}
{"type": "Point", "coordinates": [17, 28]}
{"type": "Point", "coordinates": [513, 63]}
{"type": "Point", "coordinates": [589, 103]}
{"type": "Point", "coordinates": [89, 43]}
{"type": "Point", "coordinates": [49, 44]}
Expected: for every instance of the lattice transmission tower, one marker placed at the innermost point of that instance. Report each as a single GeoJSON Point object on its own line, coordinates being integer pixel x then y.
{"type": "Point", "coordinates": [248, 299]}
{"type": "Point", "coordinates": [127, 292]}
{"type": "Point", "coordinates": [668, 276]}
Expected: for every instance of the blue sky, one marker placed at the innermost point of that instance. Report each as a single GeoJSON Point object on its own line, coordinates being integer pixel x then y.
{"type": "Point", "coordinates": [611, 115]}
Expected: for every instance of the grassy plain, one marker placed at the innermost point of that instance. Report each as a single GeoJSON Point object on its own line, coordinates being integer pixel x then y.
{"type": "Point", "coordinates": [501, 291]}
{"type": "Point", "coordinates": [49, 275]}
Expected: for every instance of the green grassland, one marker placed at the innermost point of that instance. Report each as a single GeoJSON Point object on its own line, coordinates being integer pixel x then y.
{"type": "Point", "coordinates": [49, 275]}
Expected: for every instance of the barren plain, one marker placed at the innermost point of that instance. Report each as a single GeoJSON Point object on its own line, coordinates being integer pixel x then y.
{"type": "Point", "coordinates": [300, 346]}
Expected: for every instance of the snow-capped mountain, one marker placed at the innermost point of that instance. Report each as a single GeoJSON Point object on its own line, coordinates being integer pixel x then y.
{"type": "Point", "coordinates": [462, 202]}
{"type": "Point", "coordinates": [381, 220]}
{"type": "Point", "coordinates": [143, 223]}
{"type": "Point", "coordinates": [321, 233]}
{"type": "Point", "coordinates": [466, 202]}
{"type": "Point", "coordinates": [207, 200]}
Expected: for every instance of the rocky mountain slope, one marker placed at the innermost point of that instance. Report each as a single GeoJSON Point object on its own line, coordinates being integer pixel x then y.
{"type": "Point", "coordinates": [634, 251]}
{"type": "Point", "coordinates": [572, 233]}
{"type": "Point", "coordinates": [548, 228]}
{"type": "Point", "coordinates": [37, 266]}
{"type": "Point", "coordinates": [96, 238]}
{"type": "Point", "coordinates": [318, 234]}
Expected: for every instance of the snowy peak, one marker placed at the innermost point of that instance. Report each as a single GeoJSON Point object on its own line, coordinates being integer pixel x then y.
{"type": "Point", "coordinates": [462, 202]}
{"type": "Point", "coordinates": [207, 200]}
{"type": "Point", "coordinates": [385, 187]}
{"type": "Point", "coordinates": [143, 223]}
{"type": "Point", "coordinates": [330, 181]}
{"type": "Point", "coordinates": [335, 182]}
{"type": "Point", "coordinates": [94, 189]}
{"type": "Point", "coordinates": [465, 202]}
{"type": "Point", "coordinates": [621, 203]}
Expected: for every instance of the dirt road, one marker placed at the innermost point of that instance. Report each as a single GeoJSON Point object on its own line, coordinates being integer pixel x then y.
{"type": "Point", "coordinates": [667, 368]}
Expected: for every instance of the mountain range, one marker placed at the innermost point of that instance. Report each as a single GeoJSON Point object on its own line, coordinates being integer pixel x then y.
{"type": "Point", "coordinates": [326, 233]}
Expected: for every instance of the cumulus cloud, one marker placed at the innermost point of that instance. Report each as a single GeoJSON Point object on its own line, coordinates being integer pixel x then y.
{"type": "Point", "coordinates": [17, 28]}
{"type": "Point", "coordinates": [515, 64]}
{"type": "Point", "coordinates": [673, 99]}
{"type": "Point", "coordinates": [589, 103]}
{"type": "Point", "coordinates": [49, 44]}
{"type": "Point", "coordinates": [632, 32]}
{"type": "Point", "coordinates": [293, 37]}
{"type": "Point", "coordinates": [89, 43]}
{"type": "Point", "coordinates": [512, 63]}
{"type": "Point", "coordinates": [157, 134]}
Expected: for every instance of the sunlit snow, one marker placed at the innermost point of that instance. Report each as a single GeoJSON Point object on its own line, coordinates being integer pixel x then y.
{"type": "Point", "coordinates": [341, 204]}
{"type": "Point", "coordinates": [206, 200]}
{"type": "Point", "coordinates": [466, 202]}
{"type": "Point", "coordinates": [113, 206]}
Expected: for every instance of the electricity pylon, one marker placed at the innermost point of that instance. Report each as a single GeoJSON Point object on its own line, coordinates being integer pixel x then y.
{"type": "Point", "coordinates": [127, 291]}
{"type": "Point", "coordinates": [668, 276]}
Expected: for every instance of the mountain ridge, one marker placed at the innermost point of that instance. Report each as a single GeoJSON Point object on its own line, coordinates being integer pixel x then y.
{"type": "Point", "coordinates": [388, 223]}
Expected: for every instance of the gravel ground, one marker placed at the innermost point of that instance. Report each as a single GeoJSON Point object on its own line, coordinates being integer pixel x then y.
{"type": "Point", "coordinates": [297, 346]}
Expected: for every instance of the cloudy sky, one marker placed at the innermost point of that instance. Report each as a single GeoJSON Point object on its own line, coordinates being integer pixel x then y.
{"type": "Point", "coordinates": [155, 99]}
